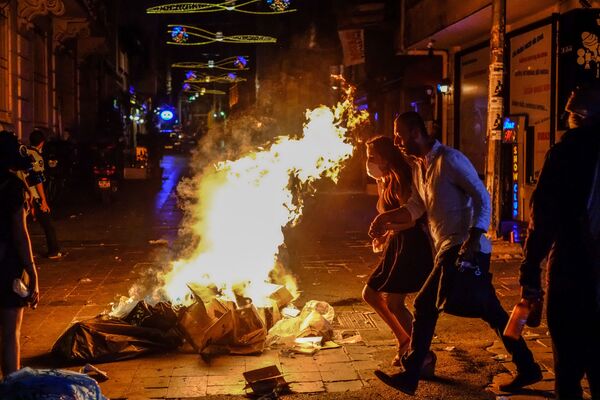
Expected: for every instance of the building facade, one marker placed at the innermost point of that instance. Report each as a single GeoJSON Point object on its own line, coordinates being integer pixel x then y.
{"type": "Point", "coordinates": [551, 47]}
{"type": "Point", "coordinates": [59, 61]}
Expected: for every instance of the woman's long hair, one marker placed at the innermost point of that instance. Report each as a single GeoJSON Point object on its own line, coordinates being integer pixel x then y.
{"type": "Point", "coordinates": [397, 185]}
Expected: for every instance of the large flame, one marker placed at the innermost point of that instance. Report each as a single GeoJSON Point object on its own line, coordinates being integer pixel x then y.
{"type": "Point", "coordinates": [244, 204]}
{"type": "Point", "coordinates": [241, 207]}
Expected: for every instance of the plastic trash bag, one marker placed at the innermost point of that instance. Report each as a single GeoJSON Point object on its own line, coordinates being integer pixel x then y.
{"type": "Point", "coordinates": [49, 384]}
{"type": "Point", "coordinates": [160, 316]}
{"type": "Point", "coordinates": [314, 320]}
{"type": "Point", "coordinates": [103, 339]}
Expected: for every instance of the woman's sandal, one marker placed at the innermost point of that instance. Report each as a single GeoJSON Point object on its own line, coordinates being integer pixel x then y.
{"type": "Point", "coordinates": [397, 361]}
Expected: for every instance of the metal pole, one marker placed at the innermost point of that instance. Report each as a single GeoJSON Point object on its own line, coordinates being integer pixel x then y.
{"type": "Point", "coordinates": [495, 110]}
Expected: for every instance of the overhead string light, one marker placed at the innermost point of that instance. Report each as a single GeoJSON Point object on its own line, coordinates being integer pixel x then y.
{"type": "Point", "coordinates": [276, 7]}
{"type": "Point", "coordinates": [225, 78]}
{"type": "Point", "coordinates": [193, 36]}
{"type": "Point", "coordinates": [201, 90]}
{"type": "Point", "coordinates": [237, 63]}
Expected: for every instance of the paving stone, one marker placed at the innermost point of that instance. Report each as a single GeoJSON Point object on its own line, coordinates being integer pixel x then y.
{"type": "Point", "coordinates": [366, 364]}
{"type": "Point", "coordinates": [331, 372]}
{"type": "Point", "coordinates": [547, 386]}
{"type": "Point", "coordinates": [153, 372]}
{"type": "Point", "coordinates": [114, 390]}
{"type": "Point", "coordinates": [190, 371]}
{"type": "Point", "coordinates": [300, 364]}
{"type": "Point", "coordinates": [188, 381]}
{"type": "Point", "coordinates": [150, 382]}
{"type": "Point", "coordinates": [345, 386]}
{"type": "Point", "coordinates": [307, 387]}
{"type": "Point", "coordinates": [303, 377]}
{"type": "Point", "coordinates": [226, 380]}
{"type": "Point", "coordinates": [225, 390]}
{"type": "Point", "coordinates": [186, 391]}
{"type": "Point", "coordinates": [135, 393]}
{"type": "Point", "coordinates": [332, 356]}
{"type": "Point", "coordinates": [223, 370]}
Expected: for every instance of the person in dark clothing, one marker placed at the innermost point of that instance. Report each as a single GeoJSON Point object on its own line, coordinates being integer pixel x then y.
{"type": "Point", "coordinates": [16, 259]}
{"type": "Point", "coordinates": [41, 209]}
{"type": "Point", "coordinates": [448, 189]}
{"type": "Point", "coordinates": [561, 227]}
{"type": "Point", "coordinates": [407, 256]}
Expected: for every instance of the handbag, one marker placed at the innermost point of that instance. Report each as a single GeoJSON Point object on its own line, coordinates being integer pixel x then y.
{"type": "Point", "coordinates": [468, 293]}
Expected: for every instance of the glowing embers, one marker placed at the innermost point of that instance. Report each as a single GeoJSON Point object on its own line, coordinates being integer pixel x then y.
{"type": "Point", "coordinates": [237, 63]}
{"type": "Point", "coordinates": [225, 78]}
{"type": "Point", "coordinates": [277, 7]}
{"type": "Point", "coordinates": [194, 36]}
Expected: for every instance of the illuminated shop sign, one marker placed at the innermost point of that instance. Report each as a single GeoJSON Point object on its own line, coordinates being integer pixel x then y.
{"type": "Point", "coordinates": [515, 180]}
{"type": "Point", "coordinates": [167, 115]}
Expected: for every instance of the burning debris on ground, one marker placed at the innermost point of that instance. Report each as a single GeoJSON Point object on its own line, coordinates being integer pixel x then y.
{"type": "Point", "coordinates": [231, 293]}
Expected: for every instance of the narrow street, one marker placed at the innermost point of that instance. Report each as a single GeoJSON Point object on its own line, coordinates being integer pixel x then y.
{"type": "Point", "coordinates": [109, 247]}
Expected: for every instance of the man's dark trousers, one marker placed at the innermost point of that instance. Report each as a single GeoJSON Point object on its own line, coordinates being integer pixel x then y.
{"type": "Point", "coordinates": [45, 221]}
{"type": "Point", "coordinates": [574, 324]}
{"type": "Point", "coordinates": [426, 315]}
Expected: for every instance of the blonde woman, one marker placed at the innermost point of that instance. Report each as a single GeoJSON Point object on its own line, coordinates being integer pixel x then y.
{"type": "Point", "coordinates": [406, 259]}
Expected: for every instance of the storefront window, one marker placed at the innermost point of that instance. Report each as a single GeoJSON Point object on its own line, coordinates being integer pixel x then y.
{"type": "Point", "coordinates": [473, 104]}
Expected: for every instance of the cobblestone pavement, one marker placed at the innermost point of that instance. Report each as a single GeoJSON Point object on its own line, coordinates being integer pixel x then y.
{"type": "Point", "coordinates": [108, 248]}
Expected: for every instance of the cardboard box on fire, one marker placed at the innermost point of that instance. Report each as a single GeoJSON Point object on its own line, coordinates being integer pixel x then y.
{"type": "Point", "coordinates": [242, 329]}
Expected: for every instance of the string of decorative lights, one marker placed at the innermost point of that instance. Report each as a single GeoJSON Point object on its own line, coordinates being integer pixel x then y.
{"type": "Point", "coordinates": [225, 78]}
{"type": "Point", "coordinates": [237, 63]}
{"type": "Point", "coordinates": [201, 90]}
{"type": "Point", "coordinates": [277, 7]}
{"type": "Point", "coordinates": [182, 34]}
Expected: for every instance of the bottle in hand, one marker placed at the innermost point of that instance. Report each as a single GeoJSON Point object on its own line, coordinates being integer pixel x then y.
{"type": "Point", "coordinates": [526, 312]}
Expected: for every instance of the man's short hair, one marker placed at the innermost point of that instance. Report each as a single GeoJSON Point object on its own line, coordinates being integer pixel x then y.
{"type": "Point", "coordinates": [412, 120]}
{"type": "Point", "coordinates": [36, 137]}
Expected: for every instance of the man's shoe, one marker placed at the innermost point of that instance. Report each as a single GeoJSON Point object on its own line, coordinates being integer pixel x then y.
{"type": "Point", "coordinates": [428, 368]}
{"type": "Point", "coordinates": [398, 381]}
{"type": "Point", "coordinates": [523, 378]}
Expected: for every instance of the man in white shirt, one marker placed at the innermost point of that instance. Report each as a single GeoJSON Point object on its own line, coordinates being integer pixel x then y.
{"type": "Point", "coordinates": [457, 204]}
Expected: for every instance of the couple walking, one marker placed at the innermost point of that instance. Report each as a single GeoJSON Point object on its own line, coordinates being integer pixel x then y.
{"type": "Point", "coordinates": [417, 176]}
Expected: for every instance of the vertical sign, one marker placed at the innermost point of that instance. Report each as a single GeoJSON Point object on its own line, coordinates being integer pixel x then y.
{"type": "Point", "coordinates": [530, 86]}
{"type": "Point", "coordinates": [474, 67]}
{"type": "Point", "coordinates": [353, 46]}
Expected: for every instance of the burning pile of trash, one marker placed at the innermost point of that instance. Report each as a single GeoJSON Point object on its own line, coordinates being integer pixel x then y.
{"type": "Point", "coordinates": [220, 297]}
{"type": "Point", "coordinates": [215, 327]}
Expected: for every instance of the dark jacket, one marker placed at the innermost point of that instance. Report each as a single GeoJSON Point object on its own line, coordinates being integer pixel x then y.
{"type": "Point", "coordinates": [557, 226]}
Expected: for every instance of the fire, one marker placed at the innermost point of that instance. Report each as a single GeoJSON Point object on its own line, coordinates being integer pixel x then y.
{"type": "Point", "coordinates": [242, 206]}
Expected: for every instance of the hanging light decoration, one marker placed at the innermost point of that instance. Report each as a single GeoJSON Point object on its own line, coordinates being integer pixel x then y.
{"type": "Point", "coordinates": [277, 7]}
{"type": "Point", "coordinates": [194, 36]}
{"type": "Point", "coordinates": [190, 75]}
{"type": "Point", "coordinates": [225, 78]}
{"type": "Point", "coordinates": [201, 89]}
{"type": "Point", "coordinates": [237, 63]}
{"type": "Point", "coordinates": [179, 34]}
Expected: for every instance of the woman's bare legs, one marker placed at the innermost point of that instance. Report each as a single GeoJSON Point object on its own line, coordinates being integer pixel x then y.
{"type": "Point", "coordinates": [11, 319]}
{"type": "Point", "coordinates": [379, 302]}
{"type": "Point", "coordinates": [396, 303]}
